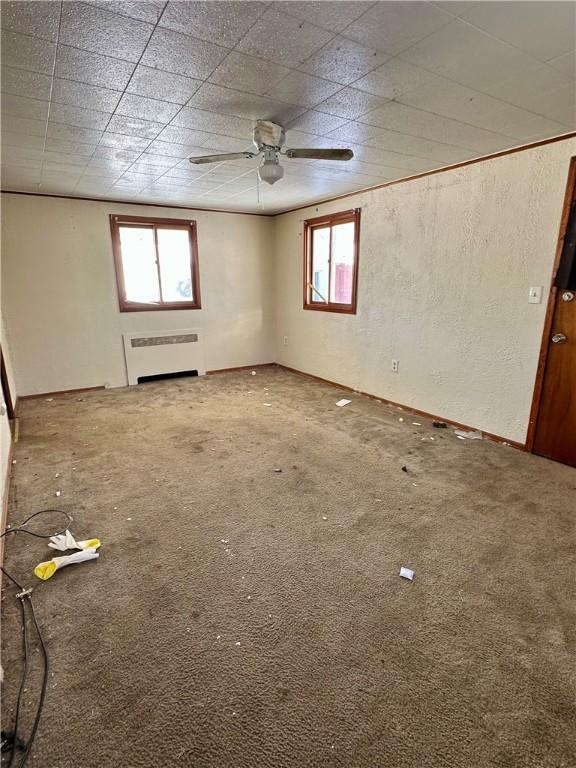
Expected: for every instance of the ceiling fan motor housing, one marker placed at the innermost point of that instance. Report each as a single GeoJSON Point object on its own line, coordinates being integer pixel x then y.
{"type": "Point", "coordinates": [268, 134]}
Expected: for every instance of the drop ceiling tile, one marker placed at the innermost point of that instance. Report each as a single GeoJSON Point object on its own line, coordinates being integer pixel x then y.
{"type": "Point", "coordinates": [374, 156]}
{"type": "Point", "coordinates": [559, 105]}
{"type": "Point", "coordinates": [12, 163]}
{"type": "Point", "coordinates": [19, 106]}
{"type": "Point", "coordinates": [544, 30]}
{"type": "Point", "coordinates": [529, 89]}
{"type": "Point", "coordinates": [182, 55]}
{"type": "Point", "coordinates": [83, 95]}
{"type": "Point", "coordinates": [108, 165]}
{"type": "Point", "coordinates": [394, 26]}
{"type": "Point", "coordinates": [317, 122]}
{"type": "Point", "coordinates": [215, 98]}
{"type": "Point", "coordinates": [221, 23]}
{"type": "Point", "coordinates": [78, 117]}
{"type": "Point", "coordinates": [175, 134]}
{"type": "Point", "coordinates": [28, 53]}
{"type": "Point", "coordinates": [99, 31]}
{"type": "Point", "coordinates": [354, 131]}
{"type": "Point", "coordinates": [467, 55]}
{"type": "Point", "coordinates": [228, 125]}
{"type": "Point", "coordinates": [565, 64]}
{"type": "Point", "coordinates": [226, 144]}
{"type": "Point", "coordinates": [302, 89]}
{"type": "Point", "coordinates": [70, 147]}
{"type": "Point", "coordinates": [73, 133]}
{"type": "Point", "coordinates": [404, 119]}
{"type": "Point", "coordinates": [65, 166]}
{"type": "Point", "coordinates": [31, 18]}
{"type": "Point", "coordinates": [184, 174]}
{"type": "Point", "coordinates": [248, 74]}
{"type": "Point", "coordinates": [143, 179]}
{"type": "Point", "coordinates": [343, 61]}
{"type": "Point", "coordinates": [134, 126]}
{"type": "Point", "coordinates": [394, 78]}
{"type": "Point", "coordinates": [19, 82]}
{"type": "Point", "coordinates": [104, 174]}
{"type": "Point", "coordinates": [147, 109]}
{"type": "Point", "coordinates": [445, 97]}
{"type": "Point", "coordinates": [156, 162]}
{"type": "Point", "coordinates": [153, 171]}
{"type": "Point", "coordinates": [115, 153]}
{"type": "Point", "coordinates": [283, 39]}
{"type": "Point", "coordinates": [92, 187]}
{"type": "Point", "coordinates": [418, 146]}
{"type": "Point", "coordinates": [460, 103]}
{"type": "Point", "coordinates": [92, 68]}
{"type": "Point", "coordinates": [524, 125]}
{"type": "Point", "coordinates": [123, 141]}
{"type": "Point", "coordinates": [144, 11]}
{"type": "Point", "coordinates": [169, 149]}
{"type": "Point", "coordinates": [17, 179]}
{"type": "Point", "coordinates": [163, 86]}
{"type": "Point", "coordinates": [330, 15]}
{"type": "Point", "coordinates": [350, 103]}
{"type": "Point", "coordinates": [23, 125]}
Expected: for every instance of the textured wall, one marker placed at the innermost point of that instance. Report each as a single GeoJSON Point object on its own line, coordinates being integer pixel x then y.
{"type": "Point", "coordinates": [445, 267]}
{"type": "Point", "coordinates": [60, 300]}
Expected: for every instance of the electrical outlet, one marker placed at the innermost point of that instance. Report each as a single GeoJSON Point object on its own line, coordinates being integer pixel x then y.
{"type": "Point", "coordinates": [285, 341]}
{"type": "Point", "coordinates": [395, 366]}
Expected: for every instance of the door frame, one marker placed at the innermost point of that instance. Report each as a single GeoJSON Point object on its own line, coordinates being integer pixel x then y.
{"type": "Point", "coordinates": [550, 309]}
{"type": "Point", "coordinates": [7, 395]}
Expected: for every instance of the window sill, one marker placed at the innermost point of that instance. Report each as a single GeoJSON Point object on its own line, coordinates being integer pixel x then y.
{"type": "Point", "coordinates": [129, 307]}
{"type": "Point", "coordinates": [343, 309]}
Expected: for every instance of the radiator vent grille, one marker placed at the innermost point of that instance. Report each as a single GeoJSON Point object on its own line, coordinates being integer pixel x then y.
{"type": "Point", "coordinates": [155, 341]}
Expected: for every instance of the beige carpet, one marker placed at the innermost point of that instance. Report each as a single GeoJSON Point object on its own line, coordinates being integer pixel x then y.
{"type": "Point", "coordinates": [241, 617]}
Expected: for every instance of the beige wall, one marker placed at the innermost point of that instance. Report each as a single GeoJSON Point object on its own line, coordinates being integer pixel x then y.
{"type": "Point", "coordinates": [446, 263]}
{"type": "Point", "coordinates": [60, 301]}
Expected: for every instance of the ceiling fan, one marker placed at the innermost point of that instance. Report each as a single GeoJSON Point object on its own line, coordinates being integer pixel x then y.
{"type": "Point", "coordinates": [269, 139]}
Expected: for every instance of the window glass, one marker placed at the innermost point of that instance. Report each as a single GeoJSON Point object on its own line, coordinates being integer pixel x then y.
{"type": "Point", "coordinates": [174, 260]}
{"type": "Point", "coordinates": [320, 264]}
{"type": "Point", "coordinates": [139, 264]}
{"type": "Point", "coordinates": [342, 270]}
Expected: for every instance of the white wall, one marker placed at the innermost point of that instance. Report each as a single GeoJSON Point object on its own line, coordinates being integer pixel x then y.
{"type": "Point", "coordinates": [60, 300]}
{"type": "Point", "coordinates": [445, 266]}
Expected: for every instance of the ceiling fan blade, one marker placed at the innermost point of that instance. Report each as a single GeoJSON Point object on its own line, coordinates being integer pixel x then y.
{"type": "Point", "coordinates": [321, 154]}
{"type": "Point", "coordinates": [221, 158]}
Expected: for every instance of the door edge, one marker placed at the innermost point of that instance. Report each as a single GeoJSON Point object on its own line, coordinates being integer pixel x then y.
{"type": "Point", "coordinates": [544, 344]}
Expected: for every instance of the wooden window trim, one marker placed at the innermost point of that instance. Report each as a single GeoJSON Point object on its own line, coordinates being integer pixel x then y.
{"type": "Point", "coordinates": [116, 221]}
{"type": "Point", "coordinates": [329, 221]}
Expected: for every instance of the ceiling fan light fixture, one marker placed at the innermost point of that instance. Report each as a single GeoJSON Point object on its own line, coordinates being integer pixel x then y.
{"type": "Point", "coordinates": [271, 172]}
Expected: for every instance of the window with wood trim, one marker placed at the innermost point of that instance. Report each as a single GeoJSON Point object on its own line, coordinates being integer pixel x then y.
{"type": "Point", "coordinates": [331, 262]}
{"type": "Point", "coordinates": [156, 263]}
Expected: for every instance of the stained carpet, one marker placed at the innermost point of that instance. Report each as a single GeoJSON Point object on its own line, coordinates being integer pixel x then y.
{"type": "Point", "coordinates": [244, 617]}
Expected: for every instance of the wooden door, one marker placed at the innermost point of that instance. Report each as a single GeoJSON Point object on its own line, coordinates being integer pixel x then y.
{"type": "Point", "coordinates": [555, 424]}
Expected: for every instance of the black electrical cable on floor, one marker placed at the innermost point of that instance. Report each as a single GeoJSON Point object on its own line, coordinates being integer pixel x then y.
{"type": "Point", "coordinates": [22, 596]}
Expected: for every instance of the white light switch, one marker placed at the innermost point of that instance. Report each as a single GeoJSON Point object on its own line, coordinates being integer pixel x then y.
{"type": "Point", "coordinates": [535, 295]}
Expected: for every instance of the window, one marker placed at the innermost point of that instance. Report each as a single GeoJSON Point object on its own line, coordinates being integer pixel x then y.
{"type": "Point", "coordinates": [156, 263]}
{"type": "Point", "coordinates": [331, 262]}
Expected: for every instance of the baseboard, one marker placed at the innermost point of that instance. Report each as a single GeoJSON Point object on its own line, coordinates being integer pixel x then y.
{"type": "Point", "coordinates": [60, 392]}
{"type": "Point", "coordinates": [408, 409]}
{"type": "Point", "coordinates": [242, 368]}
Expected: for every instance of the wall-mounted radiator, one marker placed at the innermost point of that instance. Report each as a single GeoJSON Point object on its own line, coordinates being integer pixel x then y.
{"type": "Point", "coordinates": [151, 353]}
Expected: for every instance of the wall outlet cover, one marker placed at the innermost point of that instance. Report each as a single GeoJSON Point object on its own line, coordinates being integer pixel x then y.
{"type": "Point", "coordinates": [535, 294]}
